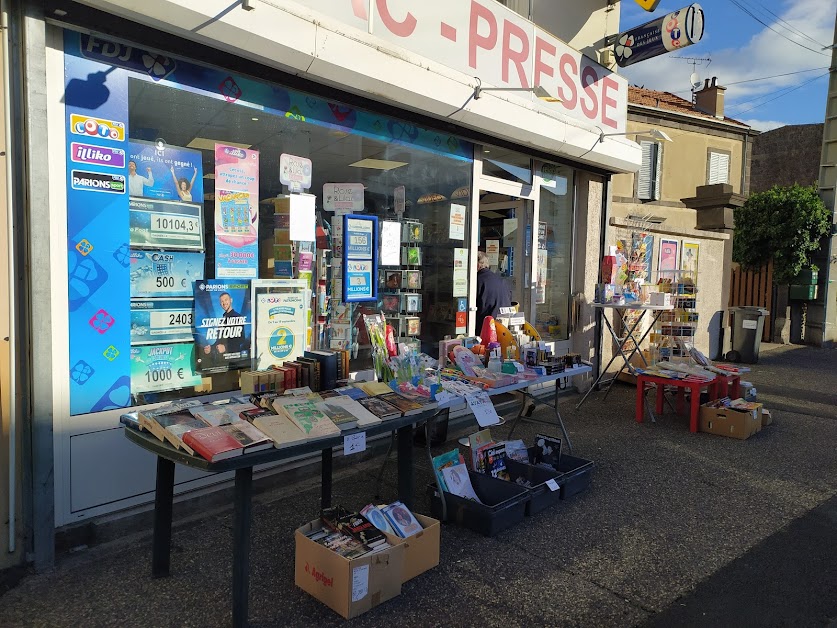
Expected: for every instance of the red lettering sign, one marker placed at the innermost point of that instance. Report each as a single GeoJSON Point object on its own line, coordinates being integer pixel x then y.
{"type": "Point", "coordinates": [518, 57]}
{"type": "Point", "coordinates": [404, 28]}
{"type": "Point", "coordinates": [475, 40]}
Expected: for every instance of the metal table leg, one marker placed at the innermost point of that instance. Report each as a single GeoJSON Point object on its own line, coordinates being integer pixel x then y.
{"type": "Point", "coordinates": [428, 430]}
{"type": "Point", "coordinates": [406, 479]}
{"type": "Point", "coordinates": [553, 406]}
{"type": "Point", "coordinates": [241, 545]}
{"type": "Point", "coordinates": [384, 466]}
{"type": "Point", "coordinates": [603, 372]}
{"type": "Point", "coordinates": [163, 502]}
{"type": "Point", "coordinates": [325, 484]}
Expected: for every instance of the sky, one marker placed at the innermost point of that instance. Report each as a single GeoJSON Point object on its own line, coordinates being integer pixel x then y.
{"type": "Point", "coordinates": [742, 49]}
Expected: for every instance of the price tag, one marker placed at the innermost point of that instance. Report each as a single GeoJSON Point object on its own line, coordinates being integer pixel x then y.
{"type": "Point", "coordinates": [354, 443]}
{"type": "Point", "coordinates": [360, 582]}
{"type": "Point", "coordinates": [483, 409]}
{"type": "Point", "coordinates": [553, 485]}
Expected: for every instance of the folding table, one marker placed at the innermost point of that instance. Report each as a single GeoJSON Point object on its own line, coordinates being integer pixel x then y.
{"type": "Point", "coordinates": [622, 343]}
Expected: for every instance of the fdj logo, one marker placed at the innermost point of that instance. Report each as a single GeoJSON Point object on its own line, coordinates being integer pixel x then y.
{"type": "Point", "coordinates": [97, 127]}
{"type": "Point", "coordinates": [157, 66]}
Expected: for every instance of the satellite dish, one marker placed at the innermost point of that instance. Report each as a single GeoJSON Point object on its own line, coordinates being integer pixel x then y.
{"type": "Point", "coordinates": [694, 79]}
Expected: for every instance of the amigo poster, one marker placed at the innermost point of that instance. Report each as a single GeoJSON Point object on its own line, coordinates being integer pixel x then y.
{"type": "Point", "coordinates": [236, 212]}
{"type": "Point", "coordinates": [168, 173]}
{"type": "Point", "coordinates": [222, 325]}
{"type": "Point", "coordinates": [282, 328]}
{"type": "Point", "coordinates": [163, 367]}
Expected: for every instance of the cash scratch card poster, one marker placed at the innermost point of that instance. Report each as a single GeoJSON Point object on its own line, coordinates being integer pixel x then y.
{"type": "Point", "coordinates": [222, 325]}
{"type": "Point", "coordinates": [236, 212]}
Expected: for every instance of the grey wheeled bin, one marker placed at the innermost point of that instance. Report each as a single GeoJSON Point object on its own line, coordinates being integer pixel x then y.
{"type": "Point", "coordinates": [747, 325]}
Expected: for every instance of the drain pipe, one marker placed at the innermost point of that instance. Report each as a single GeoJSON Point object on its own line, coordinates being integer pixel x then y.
{"type": "Point", "coordinates": [10, 218]}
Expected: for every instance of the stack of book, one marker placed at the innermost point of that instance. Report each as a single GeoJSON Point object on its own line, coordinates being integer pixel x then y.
{"type": "Point", "coordinates": [349, 534]}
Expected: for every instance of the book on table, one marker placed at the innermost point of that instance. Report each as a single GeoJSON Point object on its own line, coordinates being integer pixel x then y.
{"type": "Point", "coordinates": [380, 408]}
{"type": "Point", "coordinates": [281, 430]}
{"type": "Point", "coordinates": [172, 426]}
{"type": "Point", "coordinates": [213, 444]}
{"type": "Point", "coordinates": [406, 406]}
{"type": "Point", "coordinates": [313, 423]}
{"type": "Point", "coordinates": [373, 388]}
{"type": "Point", "coordinates": [251, 438]}
{"type": "Point", "coordinates": [363, 416]}
{"type": "Point", "coordinates": [338, 414]}
{"type": "Point", "coordinates": [351, 391]}
{"type": "Point", "coordinates": [328, 367]}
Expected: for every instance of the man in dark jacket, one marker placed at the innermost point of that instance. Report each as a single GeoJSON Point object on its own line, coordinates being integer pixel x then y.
{"type": "Point", "coordinates": [492, 291]}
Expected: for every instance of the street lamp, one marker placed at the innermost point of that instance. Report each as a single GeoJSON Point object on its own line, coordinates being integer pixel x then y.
{"type": "Point", "coordinates": [655, 133]}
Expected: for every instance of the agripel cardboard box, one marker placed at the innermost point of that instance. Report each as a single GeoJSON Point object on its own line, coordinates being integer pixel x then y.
{"type": "Point", "coordinates": [731, 422]}
{"type": "Point", "coordinates": [349, 587]}
{"type": "Point", "coordinates": [422, 549]}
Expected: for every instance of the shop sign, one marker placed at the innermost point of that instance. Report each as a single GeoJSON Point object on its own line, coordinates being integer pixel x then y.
{"type": "Point", "coordinates": [157, 274]}
{"type": "Point", "coordinates": [155, 65]}
{"type": "Point", "coordinates": [648, 5]}
{"type": "Point", "coordinates": [672, 32]}
{"type": "Point", "coordinates": [163, 367]}
{"type": "Point", "coordinates": [343, 196]}
{"type": "Point", "coordinates": [486, 39]}
{"type": "Point", "coordinates": [165, 224]}
{"type": "Point", "coordinates": [295, 172]}
{"type": "Point", "coordinates": [161, 320]}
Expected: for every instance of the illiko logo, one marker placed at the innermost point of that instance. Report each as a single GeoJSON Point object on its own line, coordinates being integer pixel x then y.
{"type": "Point", "coordinates": [98, 182]}
{"type": "Point", "coordinates": [98, 155]}
{"type": "Point", "coordinates": [97, 127]}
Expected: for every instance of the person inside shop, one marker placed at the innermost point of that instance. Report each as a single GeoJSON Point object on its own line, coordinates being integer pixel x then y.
{"type": "Point", "coordinates": [235, 342]}
{"type": "Point", "coordinates": [184, 186]}
{"type": "Point", "coordinates": [492, 291]}
{"type": "Point", "coordinates": [137, 182]}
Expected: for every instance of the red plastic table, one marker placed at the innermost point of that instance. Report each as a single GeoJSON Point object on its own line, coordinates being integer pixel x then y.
{"type": "Point", "coordinates": [644, 380]}
{"type": "Point", "coordinates": [728, 385]}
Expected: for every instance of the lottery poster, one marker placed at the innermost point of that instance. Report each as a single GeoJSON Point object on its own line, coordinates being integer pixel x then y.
{"type": "Point", "coordinates": [236, 212]}
{"type": "Point", "coordinates": [282, 327]}
{"type": "Point", "coordinates": [161, 320]}
{"type": "Point", "coordinates": [163, 367]}
{"type": "Point", "coordinates": [222, 325]}
{"type": "Point", "coordinates": [164, 274]}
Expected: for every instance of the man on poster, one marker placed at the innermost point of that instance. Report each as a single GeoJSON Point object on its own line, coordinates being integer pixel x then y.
{"type": "Point", "coordinates": [222, 336]}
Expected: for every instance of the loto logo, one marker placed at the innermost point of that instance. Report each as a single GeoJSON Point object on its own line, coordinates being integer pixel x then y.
{"type": "Point", "coordinates": [97, 127]}
{"type": "Point", "coordinates": [98, 155]}
{"type": "Point", "coordinates": [98, 182]}
{"type": "Point", "coordinates": [235, 152]}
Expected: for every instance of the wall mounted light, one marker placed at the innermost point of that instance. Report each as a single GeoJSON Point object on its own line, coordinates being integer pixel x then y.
{"type": "Point", "coordinates": [539, 91]}
{"type": "Point", "coordinates": [655, 133]}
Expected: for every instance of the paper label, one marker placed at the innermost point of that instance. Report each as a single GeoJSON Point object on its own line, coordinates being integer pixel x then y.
{"type": "Point", "coordinates": [749, 324]}
{"type": "Point", "coordinates": [303, 219]}
{"type": "Point", "coordinates": [390, 243]}
{"type": "Point", "coordinates": [457, 222]}
{"type": "Point", "coordinates": [492, 249]}
{"type": "Point", "coordinates": [360, 582]}
{"type": "Point", "coordinates": [553, 485]}
{"type": "Point", "coordinates": [354, 443]}
{"type": "Point", "coordinates": [483, 409]}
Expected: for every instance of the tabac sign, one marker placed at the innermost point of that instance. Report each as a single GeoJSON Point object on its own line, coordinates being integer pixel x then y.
{"type": "Point", "coordinates": [671, 32]}
{"type": "Point", "coordinates": [648, 5]}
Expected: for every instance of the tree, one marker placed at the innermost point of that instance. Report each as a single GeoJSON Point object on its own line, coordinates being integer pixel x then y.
{"type": "Point", "coordinates": [783, 223]}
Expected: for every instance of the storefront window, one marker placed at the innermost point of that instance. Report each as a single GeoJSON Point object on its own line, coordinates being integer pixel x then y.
{"type": "Point", "coordinates": [177, 174]}
{"type": "Point", "coordinates": [503, 163]}
{"type": "Point", "coordinates": [554, 252]}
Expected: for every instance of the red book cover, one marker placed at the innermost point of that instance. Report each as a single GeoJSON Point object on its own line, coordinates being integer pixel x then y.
{"type": "Point", "coordinates": [290, 377]}
{"type": "Point", "coordinates": [213, 443]}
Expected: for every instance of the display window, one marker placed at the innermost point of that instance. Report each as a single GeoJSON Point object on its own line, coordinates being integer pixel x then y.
{"type": "Point", "coordinates": [186, 184]}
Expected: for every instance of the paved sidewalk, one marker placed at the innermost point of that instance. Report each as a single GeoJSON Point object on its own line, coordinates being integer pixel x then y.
{"type": "Point", "coordinates": [678, 529]}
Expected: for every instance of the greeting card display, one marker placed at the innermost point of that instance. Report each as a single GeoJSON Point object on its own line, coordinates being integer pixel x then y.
{"type": "Point", "coordinates": [411, 279]}
{"type": "Point", "coordinates": [412, 325]}
{"type": "Point", "coordinates": [412, 232]}
{"type": "Point", "coordinates": [412, 303]}
{"type": "Point", "coordinates": [391, 303]}
{"type": "Point", "coordinates": [411, 256]}
{"type": "Point", "coordinates": [391, 279]}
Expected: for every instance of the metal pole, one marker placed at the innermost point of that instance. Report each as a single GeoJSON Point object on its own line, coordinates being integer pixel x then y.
{"type": "Point", "coordinates": [10, 252]}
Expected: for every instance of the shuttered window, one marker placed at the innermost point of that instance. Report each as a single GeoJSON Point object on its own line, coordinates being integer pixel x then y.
{"type": "Point", "coordinates": [718, 168]}
{"type": "Point", "coordinates": [650, 173]}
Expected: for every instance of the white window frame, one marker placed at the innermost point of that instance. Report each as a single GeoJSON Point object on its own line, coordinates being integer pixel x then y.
{"type": "Point", "coordinates": [649, 178]}
{"type": "Point", "coordinates": [717, 167]}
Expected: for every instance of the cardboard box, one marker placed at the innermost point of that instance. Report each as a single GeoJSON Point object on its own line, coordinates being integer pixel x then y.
{"type": "Point", "coordinates": [422, 549]}
{"type": "Point", "coordinates": [348, 587]}
{"type": "Point", "coordinates": [766, 417]}
{"type": "Point", "coordinates": [739, 424]}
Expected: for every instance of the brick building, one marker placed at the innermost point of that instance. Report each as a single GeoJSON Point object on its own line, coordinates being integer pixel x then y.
{"type": "Point", "coordinates": [787, 155]}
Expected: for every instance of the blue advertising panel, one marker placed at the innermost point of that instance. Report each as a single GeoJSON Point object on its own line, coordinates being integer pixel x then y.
{"type": "Point", "coordinates": [165, 224]}
{"type": "Point", "coordinates": [164, 274]}
{"type": "Point", "coordinates": [360, 258]}
{"type": "Point", "coordinates": [161, 320]}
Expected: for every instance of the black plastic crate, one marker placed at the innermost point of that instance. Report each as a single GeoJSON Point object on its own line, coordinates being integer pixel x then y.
{"type": "Point", "coordinates": [540, 495]}
{"type": "Point", "coordinates": [577, 473]}
{"type": "Point", "coordinates": [504, 505]}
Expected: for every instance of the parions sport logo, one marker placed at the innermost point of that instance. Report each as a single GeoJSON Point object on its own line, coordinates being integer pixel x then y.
{"type": "Point", "coordinates": [98, 182]}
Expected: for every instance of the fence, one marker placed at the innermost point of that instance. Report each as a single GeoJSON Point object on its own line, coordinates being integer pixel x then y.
{"type": "Point", "coordinates": [753, 287]}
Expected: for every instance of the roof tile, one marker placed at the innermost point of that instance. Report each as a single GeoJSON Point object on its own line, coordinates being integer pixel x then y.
{"type": "Point", "coordinates": [669, 102]}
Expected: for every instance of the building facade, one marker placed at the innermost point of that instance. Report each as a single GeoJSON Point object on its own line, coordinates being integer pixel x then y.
{"type": "Point", "coordinates": [131, 126]}
{"type": "Point", "coordinates": [705, 149]}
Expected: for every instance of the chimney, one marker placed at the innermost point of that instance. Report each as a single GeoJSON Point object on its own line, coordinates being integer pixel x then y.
{"type": "Point", "coordinates": [711, 98]}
